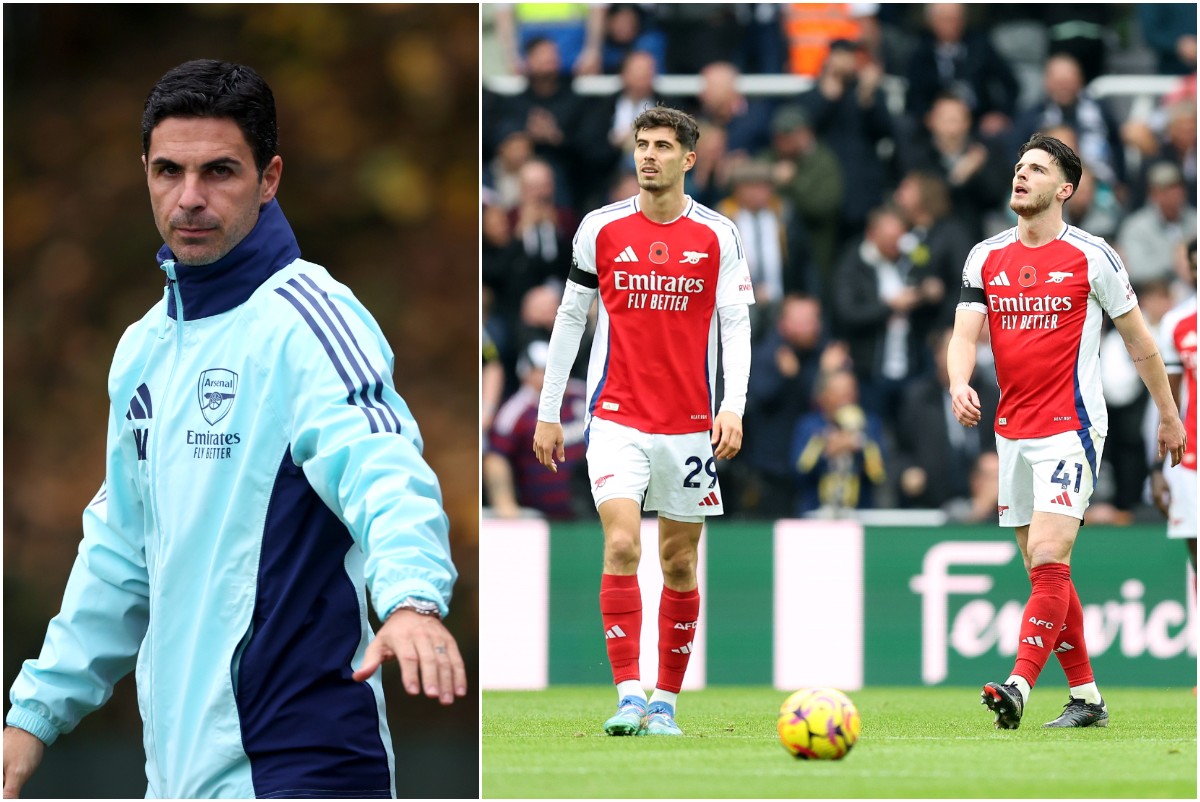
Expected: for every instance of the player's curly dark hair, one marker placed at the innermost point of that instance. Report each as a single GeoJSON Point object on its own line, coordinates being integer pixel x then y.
{"type": "Point", "coordinates": [1060, 153]}
{"type": "Point", "coordinates": [683, 124]}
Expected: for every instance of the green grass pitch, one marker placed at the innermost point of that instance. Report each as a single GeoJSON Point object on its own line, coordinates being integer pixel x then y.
{"type": "Point", "coordinates": [915, 743]}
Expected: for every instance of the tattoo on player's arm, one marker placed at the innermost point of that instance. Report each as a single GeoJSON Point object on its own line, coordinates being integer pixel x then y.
{"type": "Point", "coordinates": [1144, 358]}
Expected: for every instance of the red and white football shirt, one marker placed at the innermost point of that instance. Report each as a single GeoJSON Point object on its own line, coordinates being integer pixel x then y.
{"type": "Point", "coordinates": [654, 355]}
{"type": "Point", "coordinates": [1044, 307]}
{"type": "Point", "coordinates": [1178, 344]}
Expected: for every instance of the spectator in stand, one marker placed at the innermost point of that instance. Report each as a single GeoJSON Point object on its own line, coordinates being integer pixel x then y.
{"type": "Point", "coordinates": [1078, 30]}
{"type": "Point", "coordinates": [538, 309]}
{"type": "Point", "coordinates": [1170, 30]}
{"type": "Point", "coordinates": [808, 176]}
{"type": "Point", "coordinates": [514, 149]}
{"type": "Point", "coordinates": [493, 108]}
{"type": "Point", "coordinates": [1179, 141]}
{"type": "Point", "coordinates": [1150, 235]}
{"type": "Point", "coordinates": [1169, 135]}
{"type": "Point", "coordinates": [837, 450]}
{"type": "Point", "coordinates": [630, 28]}
{"type": "Point", "coordinates": [872, 303]}
{"type": "Point", "coordinates": [491, 380]}
{"type": "Point", "coordinates": [732, 128]}
{"type": "Point", "coordinates": [1066, 101]}
{"type": "Point", "coordinates": [775, 259]}
{"type": "Point", "coordinates": [618, 111]}
{"type": "Point", "coordinates": [1094, 206]}
{"type": "Point", "coordinates": [503, 277]}
{"type": "Point", "coordinates": [946, 147]}
{"type": "Point", "coordinates": [576, 29]}
{"type": "Point", "coordinates": [549, 111]}
{"type": "Point", "coordinates": [951, 58]}
{"type": "Point", "coordinates": [935, 455]}
{"type": "Point", "coordinates": [763, 49]}
{"type": "Point", "coordinates": [849, 113]}
{"type": "Point", "coordinates": [783, 372]}
{"type": "Point", "coordinates": [985, 493]}
{"type": "Point", "coordinates": [543, 227]}
{"type": "Point", "coordinates": [810, 28]}
{"type": "Point", "coordinates": [936, 249]}
{"type": "Point", "coordinates": [512, 476]}
{"type": "Point", "coordinates": [623, 187]}
{"type": "Point", "coordinates": [698, 34]}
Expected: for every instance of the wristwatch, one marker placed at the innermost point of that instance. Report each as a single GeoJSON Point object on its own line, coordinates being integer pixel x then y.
{"type": "Point", "coordinates": [419, 606]}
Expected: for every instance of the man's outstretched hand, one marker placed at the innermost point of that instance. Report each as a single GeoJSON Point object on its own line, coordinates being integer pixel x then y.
{"type": "Point", "coordinates": [427, 653]}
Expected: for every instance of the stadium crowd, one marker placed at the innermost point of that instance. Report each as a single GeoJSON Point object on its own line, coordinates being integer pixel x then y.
{"type": "Point", "coordinates": [857, 199]}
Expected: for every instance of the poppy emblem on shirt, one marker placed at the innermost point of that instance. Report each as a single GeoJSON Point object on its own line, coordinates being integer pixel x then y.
{"type": "Point", "coordinates": [658, 253]}
{"type": "Point", "coordinates": [216, 390]}
{"type": "Point", "coordinates": [1027, 277]}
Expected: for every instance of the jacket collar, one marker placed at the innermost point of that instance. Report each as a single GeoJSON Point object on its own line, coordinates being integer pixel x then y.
{"type": "Point", "coordinates": [208, 290]}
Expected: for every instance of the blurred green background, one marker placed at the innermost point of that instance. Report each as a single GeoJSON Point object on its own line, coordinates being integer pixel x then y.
{"type": "Point", "coordinates": [378, 122]}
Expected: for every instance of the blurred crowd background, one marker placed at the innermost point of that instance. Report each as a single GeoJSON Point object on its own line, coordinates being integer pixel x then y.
{"type": "Point", "coordinates": [378, 129]}
{"type": "Point", "coordinates": [862, 150]}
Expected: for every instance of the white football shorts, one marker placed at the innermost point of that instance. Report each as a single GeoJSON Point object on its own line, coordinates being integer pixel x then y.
{"type": "Point", "coordinates": [673, 474]}
{"type": "Point", "coordinates": [1047, 474]}
{"type": "Point", "coordinates": [1181, 518]}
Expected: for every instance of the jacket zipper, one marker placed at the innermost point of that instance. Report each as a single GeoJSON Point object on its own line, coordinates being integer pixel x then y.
{"type": "Point", "coordinates": [172, 288]}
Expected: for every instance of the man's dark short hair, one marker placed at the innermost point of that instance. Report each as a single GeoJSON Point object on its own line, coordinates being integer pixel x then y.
{"type": "Point", "coordinates": [1060, 153]}
{"type": "Point", "coordinates": [218, 89]}
{"type": "Point", "coordinates": [682, 123]}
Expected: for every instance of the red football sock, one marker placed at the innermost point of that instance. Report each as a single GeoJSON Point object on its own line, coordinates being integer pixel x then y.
{"type": "Point", "coordinates": [1042, 621]}
{"type": "Point", "coordinates": [1071, 649]}
{"type": "Point", "coordinates": [621, 611]}
{"type": "Point", "coordinates": [677, 614]}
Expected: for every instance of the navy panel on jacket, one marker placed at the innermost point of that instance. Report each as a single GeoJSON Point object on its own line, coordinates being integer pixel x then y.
{"type": "Point", "coordinates": [306, 724]}
{"type": "Point", "coordinates": [215, 288]}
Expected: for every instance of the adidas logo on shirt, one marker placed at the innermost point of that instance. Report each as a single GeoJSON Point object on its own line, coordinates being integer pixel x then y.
{"type": "Point", "coordinates": [1000, 281]}
{"type": "Point", "coordinates": [627, 255]}
{"type": "Point", "coordinates": [1063, 499]}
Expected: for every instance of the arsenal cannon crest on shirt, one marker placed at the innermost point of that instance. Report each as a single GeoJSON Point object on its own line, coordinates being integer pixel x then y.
{"type": "Point", "coordinates": [216, 390]}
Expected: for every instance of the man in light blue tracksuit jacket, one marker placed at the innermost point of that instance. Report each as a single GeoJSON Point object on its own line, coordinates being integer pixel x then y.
{"type": "Point", "coordinates": [261, 470]}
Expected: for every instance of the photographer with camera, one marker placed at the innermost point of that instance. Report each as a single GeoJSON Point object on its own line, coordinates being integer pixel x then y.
{"type": "Point", "coordinates": [837, 450]}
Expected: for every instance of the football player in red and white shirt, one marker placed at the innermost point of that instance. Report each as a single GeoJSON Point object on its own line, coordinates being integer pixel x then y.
{"type": "Point", "coordinates": [1174, 487]}
{"type": "Point", "coordinates": [1043, 287]}
{"type": "Point", "coordinates": [667, 270]}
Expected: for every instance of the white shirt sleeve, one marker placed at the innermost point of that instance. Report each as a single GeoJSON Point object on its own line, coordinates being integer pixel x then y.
{"type": "Point", "coordinates": [570, 322]}
{"type": "Point", "coordinates": [733, 280]}
{"type": "Point", "coordinates": [1110, 280]}
{"type": "Point", "coordinates": [735, 356]}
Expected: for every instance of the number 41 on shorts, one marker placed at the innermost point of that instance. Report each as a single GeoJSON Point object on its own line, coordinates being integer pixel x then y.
{"type": "Point", "coordinates": [1064, 477]}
